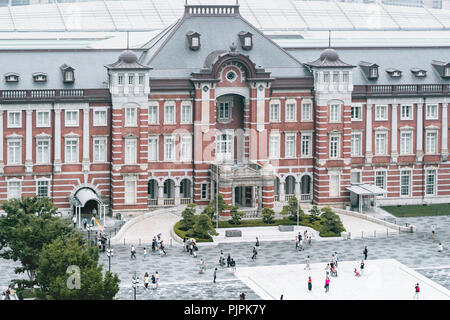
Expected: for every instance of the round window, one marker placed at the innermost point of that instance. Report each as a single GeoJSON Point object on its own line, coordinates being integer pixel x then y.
{"type": "Point", "coordinates": [231, 75]}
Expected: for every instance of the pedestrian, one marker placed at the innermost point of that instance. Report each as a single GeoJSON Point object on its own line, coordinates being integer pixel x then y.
{"type": "Point", "coordinates": [162, 249]}
{"type": "Point", "coordinates": [299, 236]}
{"type": "Point", "coordinates": [153, 281]}
{"type": "Point", "coordinates": [156, 279]}
{"type": "Point", "coordinates": [417, 291]}
{"type": "Point", "coordinates": [433, 227]}
{"type": "Point", "coordinates": [145, 253]}
{"type": "Point", "coordinates": [146, 280]}
{"type": "Point", "coordinates": [257, 242]}
{"type": "Point", "coordinates": [362, 267]}
{"type": "Point", "coordinates": [215, 275]}
{"type": "Point", "coordinates": [308, 261]}
{"type": "Point", "coordinates": [327, 284]}
{"type": "Point", "coordinates": [327, 270]}
{"type": "Point", "coordinates": [242, 296]}
{"type": "Point", "coordinates": [296, 243]}
{"type": "Point", "coordinates": [92, 221]}
{"type": "Point", "coordinates": [440, 247]}
{"type": "Point", "coordinates": [184, 244]}
{"type": "Point", "coordinates": [221, 259]}
{"type": "Point", "coordinates": [309, 240]}
{"type": "Point", "coordinates": [159, 236]}
{"type": "Point", "coordinates": [365, 252]}
{"type": "Point", "coordinates": [84, 222]}
{"type": "Point", "coordinates": [153, 244]}
{"type": "Point", "coordinates": [74, 221]}
{"type": "Point", "coordinates": [254, 254]}
{"type": "Point", "coordinates": [233, 265]}
{"type": "Point", "coordinates": [336, 259]}
{"type": "Point", "coordinates": [281, 298]}
{"type": "Point", "coordinates": [309, 284]}
{"type": "Point", "coordinates": [133, 252]}
{"type": "Point", "coordinates": [332, 260]}
{"type": "Point", "coordinates": [301, 245]}
{"type": "Point", "coordinates": [305, 235]}
{"type": "Point", "coordinates": [228, 260]}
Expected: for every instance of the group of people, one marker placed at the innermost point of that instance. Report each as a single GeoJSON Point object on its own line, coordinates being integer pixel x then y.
{"type": "Point", "coordinates": [190, 246]}
{"type": "Point", "coordinates": [158, 245]}
{"type": "Point", "coordinates": [9, 294]}
{"type": "Point", "coordinates": [154, 279]}
{"type": "Point", "coordinates": [301, 240]}
{"type": "Point", "coordinates": [100, 238]}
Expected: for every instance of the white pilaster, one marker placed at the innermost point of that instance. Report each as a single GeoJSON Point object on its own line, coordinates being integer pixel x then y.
{"type": "Point", "coordinates": [57, 140]}
{"type": "Point", "coordinates": [160, 195]}
{"type": "Point", "coordinates": [444, 145]}
{"type": "Point", "coordinates": [419, 130]}
{"type": "Point", "coordinates": [177, 194]}
{"type": "Point", "coordinates": [29, 142]}
{"type": "Point", "coordinates": [394, 127]}
{"type": "Point", "coordinates": [86, 137]}
{"type": "Point", "coordinates": [369, 153]}
{"type": "Point", "coordinates": [282, 191]}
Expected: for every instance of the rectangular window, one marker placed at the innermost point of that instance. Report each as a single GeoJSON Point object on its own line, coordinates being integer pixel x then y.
{"type": "Point", "coordinates": [431, 112]}
{"type": "Point", "coordinates": [335, 113]}
{"type": "Point", "coordinates": [431, 142]}
{"type": "Point", "coordinates": [291, 113]}
{"type": "Point", "coordinates": [71, 150]}
{"type": "Point", "coordinates": [169, 114]}
{"type": "Point", "coordinates": [274, 146]}
{"type": "Point", "coordinates": [130, 79]}
{"type": "Point", "coordinates": [224, 146]}
{"type": "Point", "coordinates": [186, 113]}
{"type": "Point", "coordinates": [326, 77]}
{"type": "Point", "coordinates": [306, 145]}
{"type": "Point", "coordinates": [334, 186]}
{"type": "Point", "coordinates": [380, 179]}
{"type": "Point", "coordinates": [430, 182]}
{"type": "Point", "coordinates": [406, 113]}
{"type": "Point", "coordinates": [334, 146]}
{"type": "Point", "coordinates": [290, 145]}
{"type": "Point", "coordinates": [120, 79]}
{"type": "Point", "coordinates": [42, 119]}
{"type": "Point", "coordinates": [42, 151]}
{"type": "Point", "coordinates": [306, 111]}
{"type": "Point", "coordinates": [186, 148]}
{"type": "Point", "coordinates": [356, 144]}
{"type": "Point", "coordinates": [406, 142]}
{"type": "Point", "coordinates": [14, 190]}
{"type": "Point", "coordinates": [100, 149]}
{"type": "Point", "coordinates": [336, 77]}
{"type": "Point", "coordinates": [380, 143]}
{"type": "Point", "coordinates": [14, 151]}
{"type": "Point", "coordinates": [130, 151]}
{"type": "Point", "coordinates": [130, 116]}
{"type": "Point", "coordinates": [71, 118]}
{"type": "Point", "coordinates": [355, 177]}
{"type": "Point", "coordinates": [100, 118]}
{"type": "Point", "coordinates": [356, 113]}
{"type": "Point", "coordinates": [405, 182]}
{"type": "Point", "coordinates": [130, 191]}
{"type": "Point", "coordinates": [169, 148]}
{"type": "Point", "coordinates": [141, 79]}
{"type": "Point", "coordinates": [224, 110]}
{"type": "Point", "coordinates": [381, 113]}
{"type": "Point", "coordinates": [42, 189]}
{"type": "Point", "coordinates": [345, 77]}
{"type": "Point", "coordinates": [14, 119]}
{"type": "Point", "coordinates": [153, 114]}
{"type": "Point", "coordinates": [274, 112]}
{"type": "Point", "coordinates": [153, 149]}
{"type": "Point", "coordinates": [204, 191]}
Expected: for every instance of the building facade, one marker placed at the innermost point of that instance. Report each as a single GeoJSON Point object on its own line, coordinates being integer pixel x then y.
{"type": "Point", "coordinates": [213, 105]}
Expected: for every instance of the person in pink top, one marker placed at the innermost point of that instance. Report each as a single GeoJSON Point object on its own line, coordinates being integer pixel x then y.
{"type": "Point", "coordinates": [327, 284]}
{"type": "Point", "coordinates": [417, 289]}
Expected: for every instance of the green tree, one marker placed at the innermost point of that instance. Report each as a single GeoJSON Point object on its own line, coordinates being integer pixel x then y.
{"type": "Point", "coordinates": [292, 209]}
{"type": "Point", "coordinates": [236, 215]}
{"type": "Point", "coordinates": [331, 224]}
{"type": "Point", "coordinates": [188, 215]}
{"type": "Point", "coordinates": [203, 227]}
{"type": "Point", "coordinates": [52, 275]}
{"type": "Point", "coordinates": [314, 213]}
{"type": "Point", "coordinates": [26, 227]}
{"type": "Point", "coordinates": [268, 215]}
{"type": "Point", "coordinates": [210, 209]}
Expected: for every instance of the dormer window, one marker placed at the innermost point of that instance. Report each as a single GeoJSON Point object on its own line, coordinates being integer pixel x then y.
{"type": "Point", "coordinates": [68, 73]}
{"type": "Point", "coordinates": [373, 74]}
{"type": "Point", "coordinates": [419, 72]}
{"type": "Point", "coordinates": [370, 70]}
{"type": "Point", "coordinates": [246, 39]}
{"type": "Point", "coordinates": [39, 77]}
{"type": "Point", "coordinates": [443, 68]}
{"type": "Point", "coordinates": [394, 73]}
{"type": "Point", "coordinates": [447, 72]}
{"type": "Point", "coordinates": [194, 40]}
{"type": "Point", "coordinates": [11, 77]}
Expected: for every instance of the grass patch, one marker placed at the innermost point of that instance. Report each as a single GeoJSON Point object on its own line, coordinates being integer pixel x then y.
{"type": "Point", "coordinates": [441, 209]}
{"type": "Point", "coordinates": [259, 223]}
{"type": "Point", "coordinates": [182, 234]}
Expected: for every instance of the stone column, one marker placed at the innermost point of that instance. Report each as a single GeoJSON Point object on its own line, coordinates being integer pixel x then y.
{"type": "Point", "coordinates": [86, 137]}
{"type": "Point", "coordinates": [177, 194]}
{"type": "Point", "coordinates": [2, 163]}
{"type": "Point", "coordinates": [444, 129]}
{"type": "Point", "coordinates": [369, 153]}
{"type": "Point", "coordinates": [281, 191]}
{"type": "Point", "coordinates": [160, 194]}
{"type": "Point", "coordinates": [419, 130]}
{"type": "Point", "coordinates": [297, 191]}
{"type": "Point", "coordinates": [57, 141]}
{"type": "Point", "coordinates": [29, 142]}
{"type": "Point", "coordinates": [394, 147]}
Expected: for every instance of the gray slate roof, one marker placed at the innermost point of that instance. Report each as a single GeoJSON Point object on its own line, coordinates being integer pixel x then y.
{"type": "Point", "coordinates": [174, 59]}
{"type": "Point", "coordinates": [403, 59]}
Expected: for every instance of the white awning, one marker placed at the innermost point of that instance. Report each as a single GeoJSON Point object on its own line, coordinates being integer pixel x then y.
{"type": "Point", "coordinates": [366, 189]}
{"type": "Point", "coordinates": [86, 194]}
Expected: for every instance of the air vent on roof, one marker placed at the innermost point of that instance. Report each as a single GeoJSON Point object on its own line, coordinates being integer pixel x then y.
{"type": "Point", "coordinates": [394, 73]}
{"type": "Point", "coordinates": [11, 77]}
{"type": "Point", "coordinates": [39, 77]}
{"type": "Point", "coordinates": [419, 72]}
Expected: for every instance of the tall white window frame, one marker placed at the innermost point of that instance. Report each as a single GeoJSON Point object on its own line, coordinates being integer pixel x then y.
{"type": "Point", "coordinates": [356, 113]}
{"type": "Point", "coordinates": [430, 182]}
{"type": "Point", "coordinates": [405, 183]}
{"type": "Point", "coordinates": [431, 141]}
{"type": "Point", "coordinates": [71, 150]}
{"type": "Point", "coordinates": [186, 112]}
{"type": "Point", "coordinates": [169, 113]}
{"type": "Point", "coordinates": [130, 191]}
{"type": "Point", "coordinates": [14, 119]}
{"type": "Point", "coordinates": [381, 143]}
{"type": "Point", "coordinates": [169, 148]}
{"type": "Point", "coordinates": [406, 142]}
{"type": "Point", "coordinates": [335, 146]}
{"type": "Point", "coordinates": [42, 151]}
{"type": "Point", "coordinates": [335, 112]}
{"type": "Point", "coordinates": [380, 178]}
{"type": "Point", "coordinates": [14, 190]}
{"type": "Point", "coordinates": [100, 149]}
{"type": "Point", "coordinates": [432, 112]}
{"type": "Point", "coordinates": [224, 110]}
{"type": "Point", "coordinates": [406, 112]}
{"type": "Point", "coordinates": [153, 113]}
{"type": "Point", "coordinates": [14, 151]}
{"type": "Point", "coordinates": [306, 145]}
{"type": "Point", "coordinates": [334, 186]}
{"type": "Point", "coordinates": [307, 111]}
{"type": "Point", "coordinates": [224, 146]}
{"type": "Point", "coordinates": [274, 111]}
{"type": "Point", "coordinates": [291, 110]}
{"type": "Point", "coordinates": [43, 119]}
{"type": "Point", "coordinates": [42, 188]}
{"type": "Point", "coordinates": [131, 116]}
{"type": "Point", "coordinates": [204, 191]}
{"type": "Point", "coordinates": [72, 118]}
{"type": "Point", "coordinates": [381, 113]}
{"type": "Point", "coordinates": [153, 148]}
{"type": "Point", "coordinates": [274, 146]}
{"type": "Point", "coordinates": [290, 144]}
{"type": "Point", "coordinates": [100, 117]}
{"type": "Point", "coordinates": [356, 144]}
{"type": "Point", "coordinates": [130, 150]}
{"type": "Point", "coordinates": [185, 148]}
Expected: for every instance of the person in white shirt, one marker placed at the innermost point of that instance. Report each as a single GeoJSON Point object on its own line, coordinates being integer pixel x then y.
{"type": "Point", "coordinates": [440, 247]}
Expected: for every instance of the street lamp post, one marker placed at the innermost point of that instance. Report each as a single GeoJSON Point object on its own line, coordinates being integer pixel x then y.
{"type": "Point", "coordinates": [110, 254]}
{"type": "Point", "coordinates": [135, 283]}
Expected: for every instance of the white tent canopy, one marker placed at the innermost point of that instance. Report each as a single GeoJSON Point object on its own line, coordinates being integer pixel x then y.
{"type": "Point", "coordinates": [368, 191]}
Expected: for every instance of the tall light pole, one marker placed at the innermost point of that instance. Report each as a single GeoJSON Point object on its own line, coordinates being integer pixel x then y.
{"type": "Point", "coordinates": [135, 284]}
{"type": "Point", "coordinates": [110, 254]}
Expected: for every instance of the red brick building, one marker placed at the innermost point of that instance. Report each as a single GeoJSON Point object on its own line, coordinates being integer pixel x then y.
{"type": "Point", "coordinates": [211, 98]}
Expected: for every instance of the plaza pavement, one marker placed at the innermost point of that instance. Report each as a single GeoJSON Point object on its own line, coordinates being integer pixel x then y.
{"type": "Point", "coordinates": [179, 277]}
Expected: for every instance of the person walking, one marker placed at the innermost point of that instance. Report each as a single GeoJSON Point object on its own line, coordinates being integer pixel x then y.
{"type": "Point", "coordinates": [201, 266]}
{"type": "Point", "coordinates": [417, 291]}
{"type": "Point", "coordinates": [228, 260]}
{"type": "Point", "coordinates": [133, 252]}
{"type": "Point", "coordinates": [362, 267]}
{"type": "Point", "coordinates": [433, 228]}
{"type": "Point", "coordinates": [145, 253]}
{"type": "Point", "coordinates": [327, 270]}
{"type": "Point", "coordinates": [365, 252]}
{"type": "Point", "coordinates": [221, 259]}
{"type": "Point", "coordinates": [296, 243]}
{"type": "Point", "coordinates": [327, 284]}
{"type": "Point", "coordinates": [308, 261]}
{"type": "Point", "coordinates": [215, 275]}
{"type": "Point", "coordinates": [301, 245]}
{"type": "Point", "coordinates": [153, 281]}
{"type": "Point", "coordinates": [233, 265]}
{"type": "Point", "coordinates": [440, 247]}
{"type": "Point", "coordinates": [84, 222]}
{"type": "Point", "coordinates": [74, 221]}
{"type": "Point", "coordinates": [309, 284]}
{"type": "Point", "coordinates": [242, 296]}
{"type": "Point", "coordinates": [336, 259]}
{"type": "Point", "coordinates": [146, 281]}
{"type": "Point", "coordinates": [92, 221]}
{"type": "Point", "coordinates": [254, 254]}
{"type": "Point", "coordinates": [154, 244]}
{"type": "Point", "coordinates": [257, 242]}
{"type": "Point", "coordinates": [156, 279]}
{"type": "Point", "coordinates": [162, 248]}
